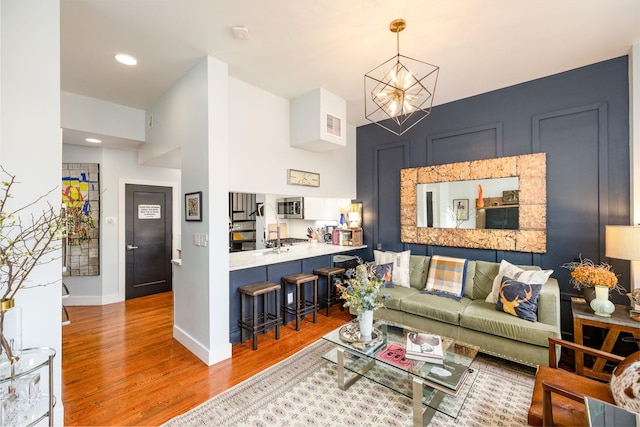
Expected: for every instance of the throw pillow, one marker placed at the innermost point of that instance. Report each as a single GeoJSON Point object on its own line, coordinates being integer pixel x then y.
{"type": "Point", "coordinates": [519, 299]}
{"type": "Point", "coordinates": [446, 277]}
{"type": "Point", "coordinates": [517, 273]}
{"type": "Point", "coordinates": [385, 271]}
{"type": "Point", "coordinates": [400, 260]}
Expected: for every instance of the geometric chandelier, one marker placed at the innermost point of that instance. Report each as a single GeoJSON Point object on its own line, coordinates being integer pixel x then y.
{"type": "Point", "coordinates": [399, 94]}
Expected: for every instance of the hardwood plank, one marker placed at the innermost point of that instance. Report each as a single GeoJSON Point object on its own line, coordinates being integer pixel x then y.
{"type": "Point", "coordinates": [121, 365]}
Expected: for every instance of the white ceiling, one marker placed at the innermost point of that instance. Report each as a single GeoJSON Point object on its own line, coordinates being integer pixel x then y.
{"type": "Point", "coordinates": [298, 45]}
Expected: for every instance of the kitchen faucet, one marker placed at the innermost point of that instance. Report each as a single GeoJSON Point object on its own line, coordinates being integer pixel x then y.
{"type": "Point", "coordinates": [278, 244]}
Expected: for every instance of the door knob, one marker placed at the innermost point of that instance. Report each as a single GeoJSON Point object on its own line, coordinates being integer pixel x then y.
{"type": "Point", "coordinates": [130, 247]}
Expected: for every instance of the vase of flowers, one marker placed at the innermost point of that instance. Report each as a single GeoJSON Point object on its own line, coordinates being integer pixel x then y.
{"type": "Point", "coordinates": [26, 241]}
{"type": "Point", "coordinates": [601, 304]}
{"type": "Point", "coordinates": [585, 274]}
{"type": "Point", "coordinates": [362, 292]}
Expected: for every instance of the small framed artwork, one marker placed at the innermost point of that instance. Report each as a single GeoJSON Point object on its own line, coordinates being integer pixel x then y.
{"type": "Point", "coordinates": [193, 206]}
{"type": "Point", "coordinates": [461, 209]}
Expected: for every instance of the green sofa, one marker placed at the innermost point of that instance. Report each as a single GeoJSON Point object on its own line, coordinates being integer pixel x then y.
{"type": "Point", "coordinates": [472, 320]}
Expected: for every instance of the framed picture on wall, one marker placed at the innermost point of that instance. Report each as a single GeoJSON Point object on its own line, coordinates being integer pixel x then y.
{"type": "Point", "coordinates": [461, 209]}
{"type": "Point", "coordinates": [193, 206]}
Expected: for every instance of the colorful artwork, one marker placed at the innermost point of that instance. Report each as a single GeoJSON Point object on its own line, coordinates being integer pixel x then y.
{"type": "Point", "coordinates": [81, 199]}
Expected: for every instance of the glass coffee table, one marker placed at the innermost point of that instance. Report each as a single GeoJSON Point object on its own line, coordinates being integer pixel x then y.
{"type": "Point", "coordinates": [431, 387]}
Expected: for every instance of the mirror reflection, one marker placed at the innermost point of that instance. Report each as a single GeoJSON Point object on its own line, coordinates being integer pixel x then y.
{"type": "Point", "coordinates": [473, 204]}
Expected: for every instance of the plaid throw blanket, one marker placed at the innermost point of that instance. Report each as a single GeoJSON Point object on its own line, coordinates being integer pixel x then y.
{"type": "Point", "coordinates": [446, 277]}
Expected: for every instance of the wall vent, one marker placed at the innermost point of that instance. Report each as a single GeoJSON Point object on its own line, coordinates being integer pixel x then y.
{"type": "Point", "coordinates": [313, 128]}
{"type": "Point", "coordinates": [334, 126]}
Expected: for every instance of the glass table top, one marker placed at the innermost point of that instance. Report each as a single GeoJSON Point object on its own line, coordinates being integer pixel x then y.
{"type": "Point", "coordinates": [446, 384]}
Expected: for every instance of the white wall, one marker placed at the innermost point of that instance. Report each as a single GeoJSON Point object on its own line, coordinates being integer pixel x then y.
{"type": "Point", "coordinates": [30, 148]}
{"type": "Point", "coordinates": [260, 154]}
{"type": "Point", "coordinates": [102, 117]}
{"type": "Point", "coordinates": [117, 167]}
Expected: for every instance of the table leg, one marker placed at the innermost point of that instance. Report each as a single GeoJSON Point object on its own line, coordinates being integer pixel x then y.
{"type": "Point", "coordinates": [343, 382]}
{"type": "Point", "coordinates": [577, 338]}
{"type": "Point", "coordinates": [423, 417]}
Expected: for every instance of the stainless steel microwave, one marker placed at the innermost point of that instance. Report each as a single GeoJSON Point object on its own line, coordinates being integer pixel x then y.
{"type": "Point", "coordinates": [291, 207]}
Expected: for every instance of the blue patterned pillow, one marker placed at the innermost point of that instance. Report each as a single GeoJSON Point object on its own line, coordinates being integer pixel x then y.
{"type": "Point", "coordinates": [386, 272]}
{"type": "Point", "coordinates": [519, 299]}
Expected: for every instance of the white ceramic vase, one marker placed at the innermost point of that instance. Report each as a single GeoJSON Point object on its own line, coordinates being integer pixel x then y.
{"type": "Point", "coordinates": [365, 323]}
{"type": "Point", "coordinates": [601, 304]}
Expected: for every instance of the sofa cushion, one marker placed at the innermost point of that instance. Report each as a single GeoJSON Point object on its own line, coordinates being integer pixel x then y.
{"type": "Point", "coordinates": [400, 262]}
{"type": "Point", "coordinates": [519, 299]}
{"type": "Point", "coordinates": [385, 272]}
{"type": "Point", "coordinates": [434, 307]}
{"type": "Point", "coordinates": [526, 274]}
{"type": "Point", "coordinates": [482, 316]}
{"type": "Point", "coordinates": [446, 277]}
{"type": "Point", "coordinates": [397, 293]}
{"type": "Point", "coordinates": [483, 279]}
{"type": "Point", "coordinates": [469, 285]}
{"type": "Point", "coordinates": [418, 267]}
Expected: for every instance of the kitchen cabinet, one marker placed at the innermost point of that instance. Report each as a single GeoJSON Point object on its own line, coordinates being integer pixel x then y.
{"type": "Point", "coordinates": [324, 209]}
{"type": "Point", "coordinates": [314, 208]}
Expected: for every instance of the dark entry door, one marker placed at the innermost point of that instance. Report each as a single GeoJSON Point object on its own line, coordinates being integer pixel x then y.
{"type": "Point", "coordinates": [148, 240]}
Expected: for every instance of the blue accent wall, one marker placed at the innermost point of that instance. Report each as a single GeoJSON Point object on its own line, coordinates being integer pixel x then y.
{"type": "Point", "coordinates": [580, 118]}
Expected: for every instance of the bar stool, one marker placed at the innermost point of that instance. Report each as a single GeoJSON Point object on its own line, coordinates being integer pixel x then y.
{"type": "Point", "coordinates": [259, 323]}
{"type": "Point", "coordinates": [332, 296]}
{"type": "Point", "coordinates": [300, 305]}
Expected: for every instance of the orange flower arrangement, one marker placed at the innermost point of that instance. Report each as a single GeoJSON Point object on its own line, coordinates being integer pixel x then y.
{"type": "Point", "coordinates": [594, 276]}
{"type": "Point", "coordinates": [585, 274]}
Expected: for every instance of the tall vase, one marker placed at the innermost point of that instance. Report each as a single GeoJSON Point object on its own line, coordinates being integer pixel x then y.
{"type": "Point", "coordinates": [601, 304]}
{"type": "Point", "coordinates": [10, 331]}
{"type": "Point", "coordinates": [365, 322]}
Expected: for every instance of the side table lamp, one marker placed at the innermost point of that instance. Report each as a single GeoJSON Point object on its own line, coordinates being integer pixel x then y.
{"type": "Point", "coordinates": [623, 242]}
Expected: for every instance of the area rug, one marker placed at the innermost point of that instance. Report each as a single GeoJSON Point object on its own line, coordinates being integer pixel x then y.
{"type": "Point", "coordinates": [302, 391]}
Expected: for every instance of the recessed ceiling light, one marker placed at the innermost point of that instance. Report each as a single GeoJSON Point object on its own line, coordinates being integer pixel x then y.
{"type": "Point", "coordinates": [125, 59]}
{"type": "Point", "coordinates": [93, 140]}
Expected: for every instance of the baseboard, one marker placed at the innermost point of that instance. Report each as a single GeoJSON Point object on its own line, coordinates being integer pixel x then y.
{"type": "Point", "coordinates": [206, 355]}
{"type": "Point", "coordinates": [91, 300]}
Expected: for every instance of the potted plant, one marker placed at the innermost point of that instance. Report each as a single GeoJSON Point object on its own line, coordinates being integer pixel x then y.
{"type": "Point", "coordinates": [26, 240]}
{"type": "Point", "coordinates": [362, 293]}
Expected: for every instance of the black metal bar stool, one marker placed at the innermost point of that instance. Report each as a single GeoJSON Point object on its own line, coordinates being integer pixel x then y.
{"type": "Point", "coordinates": [300, 305]}
{"type": "Point", "coordinates": [332, 296]}
{"type": "Point", "coordinates": [259, 323]}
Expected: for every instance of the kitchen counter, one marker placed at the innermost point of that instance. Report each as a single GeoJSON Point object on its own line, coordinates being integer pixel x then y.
{"type": "Point", "coordinates": [257, 258]}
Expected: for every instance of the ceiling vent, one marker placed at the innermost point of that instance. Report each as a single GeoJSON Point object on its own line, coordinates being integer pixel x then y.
{"type": "Point", "coordinates": [318, 121]}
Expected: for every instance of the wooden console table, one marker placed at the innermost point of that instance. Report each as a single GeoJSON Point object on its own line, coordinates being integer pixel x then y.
{"type": "Point", "coordinates": [619, 321]}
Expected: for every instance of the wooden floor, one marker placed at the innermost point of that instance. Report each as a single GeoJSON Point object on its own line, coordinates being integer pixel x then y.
{"type": "Point", "coordinates": [121, 366]}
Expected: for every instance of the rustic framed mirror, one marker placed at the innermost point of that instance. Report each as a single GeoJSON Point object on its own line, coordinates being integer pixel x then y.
{"type": "Point", "coordinates": [510, 216]}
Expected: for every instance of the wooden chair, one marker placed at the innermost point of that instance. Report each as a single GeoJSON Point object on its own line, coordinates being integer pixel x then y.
{"type": "Point", "coordinates": [558, 394]}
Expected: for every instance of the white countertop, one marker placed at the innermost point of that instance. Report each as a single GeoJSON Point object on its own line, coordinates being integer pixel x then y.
{"type": "Point", "coordinates": [257, 258]}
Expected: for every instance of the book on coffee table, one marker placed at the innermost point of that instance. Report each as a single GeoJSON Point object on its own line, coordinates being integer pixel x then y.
{"type": "Point", "coordinates": [424, 347]}
{"type": "Point", "coordinates": [395, 354]}
{"type": "Point", "coordinates": [448, 378]}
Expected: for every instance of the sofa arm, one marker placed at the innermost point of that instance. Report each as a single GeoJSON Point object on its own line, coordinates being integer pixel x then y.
{"type": "Point", "coordinates": [549, 304]}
